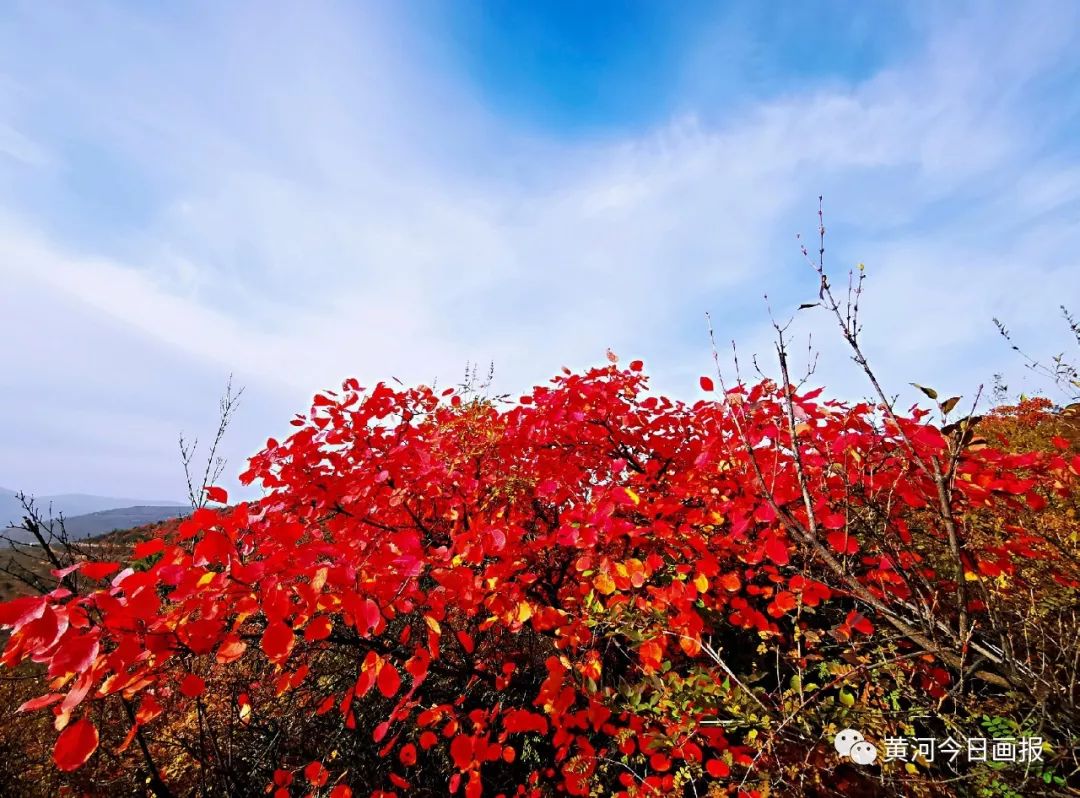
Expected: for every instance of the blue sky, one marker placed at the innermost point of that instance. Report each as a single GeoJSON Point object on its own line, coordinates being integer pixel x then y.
{"type": "Point", "coordinates": [298, 193]}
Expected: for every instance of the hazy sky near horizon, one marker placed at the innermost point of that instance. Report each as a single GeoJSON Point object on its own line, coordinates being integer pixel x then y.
{"type": "Point", "coordinates": [302, 192]}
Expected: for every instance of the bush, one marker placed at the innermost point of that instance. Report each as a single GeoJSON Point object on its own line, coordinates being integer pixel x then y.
{"type": "Point", "coordinates": [590, 591]}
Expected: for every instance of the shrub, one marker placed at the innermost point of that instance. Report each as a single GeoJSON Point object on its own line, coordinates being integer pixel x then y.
{"type": "Point", "coordinates": [591, 591]}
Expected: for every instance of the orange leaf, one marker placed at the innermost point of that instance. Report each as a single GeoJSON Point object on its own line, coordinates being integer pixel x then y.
{"type": "Point", "coordinates": [604, 584]}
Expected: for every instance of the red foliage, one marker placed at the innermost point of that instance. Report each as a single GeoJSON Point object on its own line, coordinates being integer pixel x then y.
{"type": "Point", "coordinates": [75, 745]}
{"type": "Point", "coordinates": [429, 534]}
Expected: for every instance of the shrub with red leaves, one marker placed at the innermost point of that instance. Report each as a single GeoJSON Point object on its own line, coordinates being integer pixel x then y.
{"type": "Point", "coordinates": [593, 590]}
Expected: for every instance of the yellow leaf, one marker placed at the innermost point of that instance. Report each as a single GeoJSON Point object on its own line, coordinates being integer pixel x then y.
{"type": "Point", "coordinates": [701, 583]}
{"type": "Point", "coordinates": [971, 576]}
{"type": "Point", "coordinates": [432, 624]}
{"type": "Point", "coordinates": [206, 579]}
{"type": "Point", "coordinates": [524, 611]}
{"type": "Point", "coordinates": [633, 496]}
{"type": "Point", "coordinates": [604, 584]}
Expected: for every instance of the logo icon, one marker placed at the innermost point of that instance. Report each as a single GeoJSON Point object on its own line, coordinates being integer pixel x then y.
{"type": "Point", "coordinates": [851, 743]}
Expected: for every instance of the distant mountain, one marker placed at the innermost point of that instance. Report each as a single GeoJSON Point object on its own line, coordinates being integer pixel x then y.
{"type": "Point", "coordinates": [77, 504]}
{"type": "Point", "coordinates": [89, 525]}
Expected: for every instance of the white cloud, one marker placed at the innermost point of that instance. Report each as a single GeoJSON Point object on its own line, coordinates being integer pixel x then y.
{"type": "Point", "coordinates": [326, 206]}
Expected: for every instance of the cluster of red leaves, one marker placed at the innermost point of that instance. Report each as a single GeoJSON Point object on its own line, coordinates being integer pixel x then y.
{"type": "Point", "coordinates": [435, 536]}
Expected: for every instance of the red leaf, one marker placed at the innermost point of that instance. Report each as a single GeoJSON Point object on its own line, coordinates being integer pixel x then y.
{"type": "Point", "coordinates": [717, 768]}
{"type": "Point", "coordinates": [707, 384]}
{"type": "Point", "coordinates": [521, 720]}
{"type": "Point", "coordinates": [99, 570]}
{"type": "Point", "coordinates": [461, 751]}
{"type": "Point", "coordinates": [21, 611]}
{"type": "Point", "coordinates": [776, 550]}
{"type": "Point", "coordinates": [128, 738]}
{"type": "Point", "coordinates": [39, 702]}
{"type": "Point", "coordinates": [859, 623]}
{"type": "Point", "coordinates": [231, 650]}
{"type": "Point", "coordinates": [842, 542]}
{"type": "Point", "coordinates": [277, 641]}
{"type": "Point", "coordinates": [418, 664]}
{"type": "Point", "coordinates": [75, 745]}
{"type": "Point", "coordinates": [149, 708]}
{"type": "Point", "coordinates": [651, 654]}
{"type": "Point", "coordinates": [77, 693]}
{"type": "Point", "coordinates": [74, 654]}
{"type": "Point", "coordinates": [636, 365]}
{"type": "Point", "coordinates": [389, 681]}
{"type": "Point", "coordinates": [474, 787]}
{"type": "Point", "coordinates": [466, 641]}
{"type": "Point", "coordinates": [660, 763]}
{"type": "Point", "coordinates": [192, 686]}
{"type": "Point", "coordinates": [784, 602]}
{"type": "Point", "coordinates": [148, 548]}
{"type": "Point", "coordinates": [833, 521]}
{"type": "Point", "coordinates": [282, 778]}
{"type": "Point", "coordinates": [316, 774]}
{"type": "Point", "coordinates": [371, 616]}
{"type": "Point", "coordinates": [216, 494]}
{"type": "Point", "coordinates": [379, 734]}
{"type": "Point", "coordinates": [318, 628]}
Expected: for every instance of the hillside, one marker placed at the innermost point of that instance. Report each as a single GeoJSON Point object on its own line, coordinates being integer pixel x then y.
{"type": "Point", "coordinates": [76, 507]}
{"type": "Point", "coordinates": [116, 543]}
{"type": "Point", "coordinates": [90, 525]}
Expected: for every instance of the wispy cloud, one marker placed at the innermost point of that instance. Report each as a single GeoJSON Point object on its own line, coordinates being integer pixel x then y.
{"type": "Point", "coordinates": [310, 195]}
